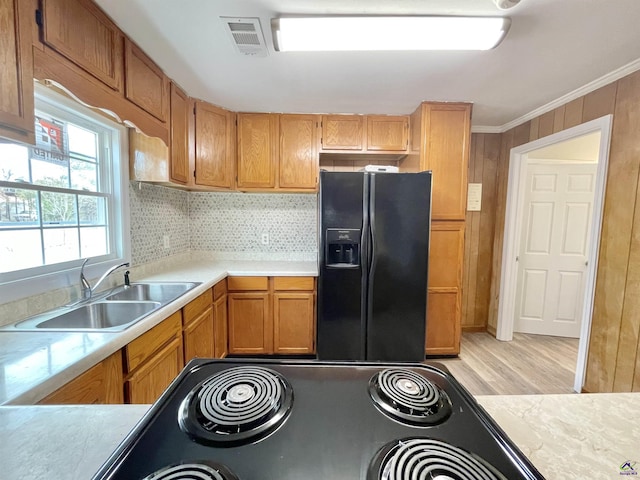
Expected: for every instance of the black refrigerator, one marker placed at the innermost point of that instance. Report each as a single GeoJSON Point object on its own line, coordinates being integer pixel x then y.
{"type": "Point", "coordinates": [373, 265]}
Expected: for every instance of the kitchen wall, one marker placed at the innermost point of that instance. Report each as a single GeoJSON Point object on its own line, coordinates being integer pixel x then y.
{"type": "Point", "coordinates": [614, 362]}
{"type": "Point", "coordinates": [229, 224]}
{"type": "Point", "coordinates": [479, 231]}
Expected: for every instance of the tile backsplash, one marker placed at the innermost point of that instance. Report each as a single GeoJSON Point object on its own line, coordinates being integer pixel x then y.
{"type": "Point", "coordinates": [230, 224]}
{"type": "Point", "coordinates": [254, 226]}
{"type": "Point", "coordinates": [155, 212]}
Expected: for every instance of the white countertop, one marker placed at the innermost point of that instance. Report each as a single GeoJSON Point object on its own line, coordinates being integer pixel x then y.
{"type": "Point", "coordinates": [569, 437]}
{"type": "Point", "coordinates": [35, 364]}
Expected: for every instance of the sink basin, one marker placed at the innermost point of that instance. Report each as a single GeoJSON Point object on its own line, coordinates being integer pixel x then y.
{"type": "Point", "coordinates": [94, 316]}
{"type": "Point", "coordinates": [151, 292]}
{"type": "Point", "coordinates": [111, 312]}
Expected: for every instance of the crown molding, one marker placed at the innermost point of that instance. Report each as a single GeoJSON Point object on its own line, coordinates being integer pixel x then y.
{"type": "Point", "coordinates": [579, 92]}
{"type": "Point", "coordinates": [485, 129]}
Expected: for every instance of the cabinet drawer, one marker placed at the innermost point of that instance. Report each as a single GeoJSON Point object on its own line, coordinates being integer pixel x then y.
{"type": "Point", "coordinates": [145, 345]}
{"type": "Point", "coordinates": [248, 283]}
{"type": "Point", "coordinates": [293, 283]}
{"type": "Point", "coordinates": [198, 305]}
{"type": "Point", "coordinates": [219, 289]}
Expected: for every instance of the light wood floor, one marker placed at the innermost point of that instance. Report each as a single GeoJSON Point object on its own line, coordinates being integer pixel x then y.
{"type": "Point", "coordinates": [529, 364]}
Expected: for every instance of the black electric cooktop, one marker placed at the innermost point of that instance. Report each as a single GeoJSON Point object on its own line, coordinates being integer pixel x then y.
{"type": "Point", "coordinates": [265, 420]}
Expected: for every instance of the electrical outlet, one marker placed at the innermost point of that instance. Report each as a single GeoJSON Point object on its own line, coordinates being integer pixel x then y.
{"type": "Point", "coordinates": [166, 241]}
{"type": "Point", "coordinates": [264, 238]}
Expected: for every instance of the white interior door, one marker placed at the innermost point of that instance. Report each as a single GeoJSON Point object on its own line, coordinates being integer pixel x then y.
{"type": "Point", "coordinates": [554, 248]}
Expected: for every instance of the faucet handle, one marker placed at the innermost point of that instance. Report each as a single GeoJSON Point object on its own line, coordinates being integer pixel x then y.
{"type": "Point", "coordinates": [127, 282]}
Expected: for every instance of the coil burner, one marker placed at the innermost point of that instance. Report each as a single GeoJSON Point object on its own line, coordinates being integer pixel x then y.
{"type": "Point", "coordinates": [409, 397]}
{"type": "Point", "coordinates": [198, 470]}
{"type": "Point", "coordinates": [236, 406]}
{"type": "Point", "coordinates": [429, 459]}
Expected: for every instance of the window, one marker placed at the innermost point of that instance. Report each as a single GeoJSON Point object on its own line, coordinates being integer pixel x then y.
{"type": "Point", "coordinates": [63, 199]}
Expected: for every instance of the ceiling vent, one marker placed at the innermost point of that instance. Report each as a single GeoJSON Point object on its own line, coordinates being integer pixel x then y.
{"type": "Point", "coordinates": [246, 35]}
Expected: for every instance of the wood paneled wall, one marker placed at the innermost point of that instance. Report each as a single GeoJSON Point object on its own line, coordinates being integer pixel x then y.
{"type": "Point", "coordinates": [614, 348]}
{"type": "Point", "coordinates": [478, 246]}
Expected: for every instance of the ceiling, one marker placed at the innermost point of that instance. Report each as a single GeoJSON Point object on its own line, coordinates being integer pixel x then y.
{"type": "Point", "coordinates": [554, 47]}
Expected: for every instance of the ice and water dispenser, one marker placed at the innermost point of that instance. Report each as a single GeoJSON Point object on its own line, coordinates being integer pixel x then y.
{"type": "Point", "coordinates": [343, 248]}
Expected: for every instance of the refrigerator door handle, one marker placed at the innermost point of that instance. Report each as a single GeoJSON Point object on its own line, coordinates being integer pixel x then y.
{"type": "Point", "coordinates": [371, 266]}
{"type": "Point", "coordinates": [364, 264]}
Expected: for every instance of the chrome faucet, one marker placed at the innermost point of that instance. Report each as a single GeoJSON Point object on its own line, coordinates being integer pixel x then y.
{"type": "Point", "coordinates": [87, 289]}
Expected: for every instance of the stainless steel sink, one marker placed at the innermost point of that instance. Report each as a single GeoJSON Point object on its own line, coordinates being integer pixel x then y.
{"type": "Point", "coordinates": [100, 315]}
{"type": "Point", "coordinates": [103, 316]}
{"type": "Point", "coordinates": [113, 311]}
{"type": "Point", "coordinates": [151, 292]}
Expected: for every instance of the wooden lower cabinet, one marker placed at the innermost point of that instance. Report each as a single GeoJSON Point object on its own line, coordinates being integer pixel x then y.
{"type": "Point", "coordinates": [148, 382]}
{"type": "Point", "coordinates": [198, 337]}
{"type": "Point", "coordinates": [250, 323]}
{"type": "Point", "coordinates": [270, 315]}
{"type": "Point", "coordinates": [444, 292]}
{"type": "Point", "coordinates": [198, 333]}
{"type": "Point", "coordinates": [153, 360]}
{"type": "Point", "coordinates": [101, 384]}
{"type": "Point", "coordinates": [443, 322]}
{"type": "Point", "coordinates": [293, 325]}
{"type": "Point", "coordinates": [220, 319]}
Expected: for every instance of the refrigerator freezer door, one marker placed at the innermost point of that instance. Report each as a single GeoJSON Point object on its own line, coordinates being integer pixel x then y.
{"type": "Point", "coordinates": [400, 215]}
{"type": "Point", "coordinates": [341, 322]}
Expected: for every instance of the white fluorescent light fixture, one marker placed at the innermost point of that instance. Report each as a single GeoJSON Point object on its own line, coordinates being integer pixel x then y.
{"type": "Point", "coordinates": [351, 33]}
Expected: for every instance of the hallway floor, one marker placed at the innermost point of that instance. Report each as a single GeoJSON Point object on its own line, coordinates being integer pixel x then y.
{"type": "Point", "coordinates": [529, 364]}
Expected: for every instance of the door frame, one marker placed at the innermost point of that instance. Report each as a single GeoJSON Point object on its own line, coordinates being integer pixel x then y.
{"type": "Point", "coordinates": [513, 227]}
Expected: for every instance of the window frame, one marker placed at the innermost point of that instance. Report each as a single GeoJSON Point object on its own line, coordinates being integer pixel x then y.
{"type": "Point", "coordinates": [114, 174]}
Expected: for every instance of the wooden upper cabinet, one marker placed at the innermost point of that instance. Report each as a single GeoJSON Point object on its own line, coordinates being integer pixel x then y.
{"type": "Point", "coordinates": [257, 150]}
{"type": "Point", "coordinates": [365, 133]}
{"type": "Point", "coordinates": [179, 138]}
{"type": "Point", "coordinates": [446, 131]}
{"type": "Point", "coordinates": [145, 84]}
{"type": "Point", "coordinates": [388, 133]}
{"type": "Point", "coordinates": [214, 152]}
{"type": "Point", "coordinates": [16, 74]}
{"type": "Point", "coordinates": [80, 31]}
{"type": "Point", "coordinates": [343, 132]}
{"type": "Point", "coordinates": [298, 151]}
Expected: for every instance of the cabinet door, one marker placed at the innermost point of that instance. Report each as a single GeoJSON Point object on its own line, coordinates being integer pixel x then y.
{"type": "Point", "coordinates": [387, 133]}
{"type": "Point", "coordinates": [444, 302]}
{"type": "Point", "coordinates": [299, 160]}
{"type": "Point", "coordinates": [447, 132]}
{"type": "Point", "coordinates": [213, 150]}
{"type": "Point", "coordinates": [443, 325]}
{"type": "Point", "coordinates": [250, 323]}
{"type": "Point", "coordinates": [80, 31]}
{"type": "Point", "coordinates": [220, 327]}
{"type": "Point", "coordinates": [145, 84]}
{"type": "Point", "coordinates": [100, 384]}
{"type": "Point", "coordinates": [343, 132]}
{"type": "Point", "coordinates": [293, 323]}
{"type": "Point", "coordinates": [257, 150]}
{"type": "Point", "coordinates": [16, 74]}
{"type": "Point", "coordinates": [179, 153]}
{"type": "Point", "coordinates": [148, 382]}
{"type": "Point", "coordinates": [198, 337]}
